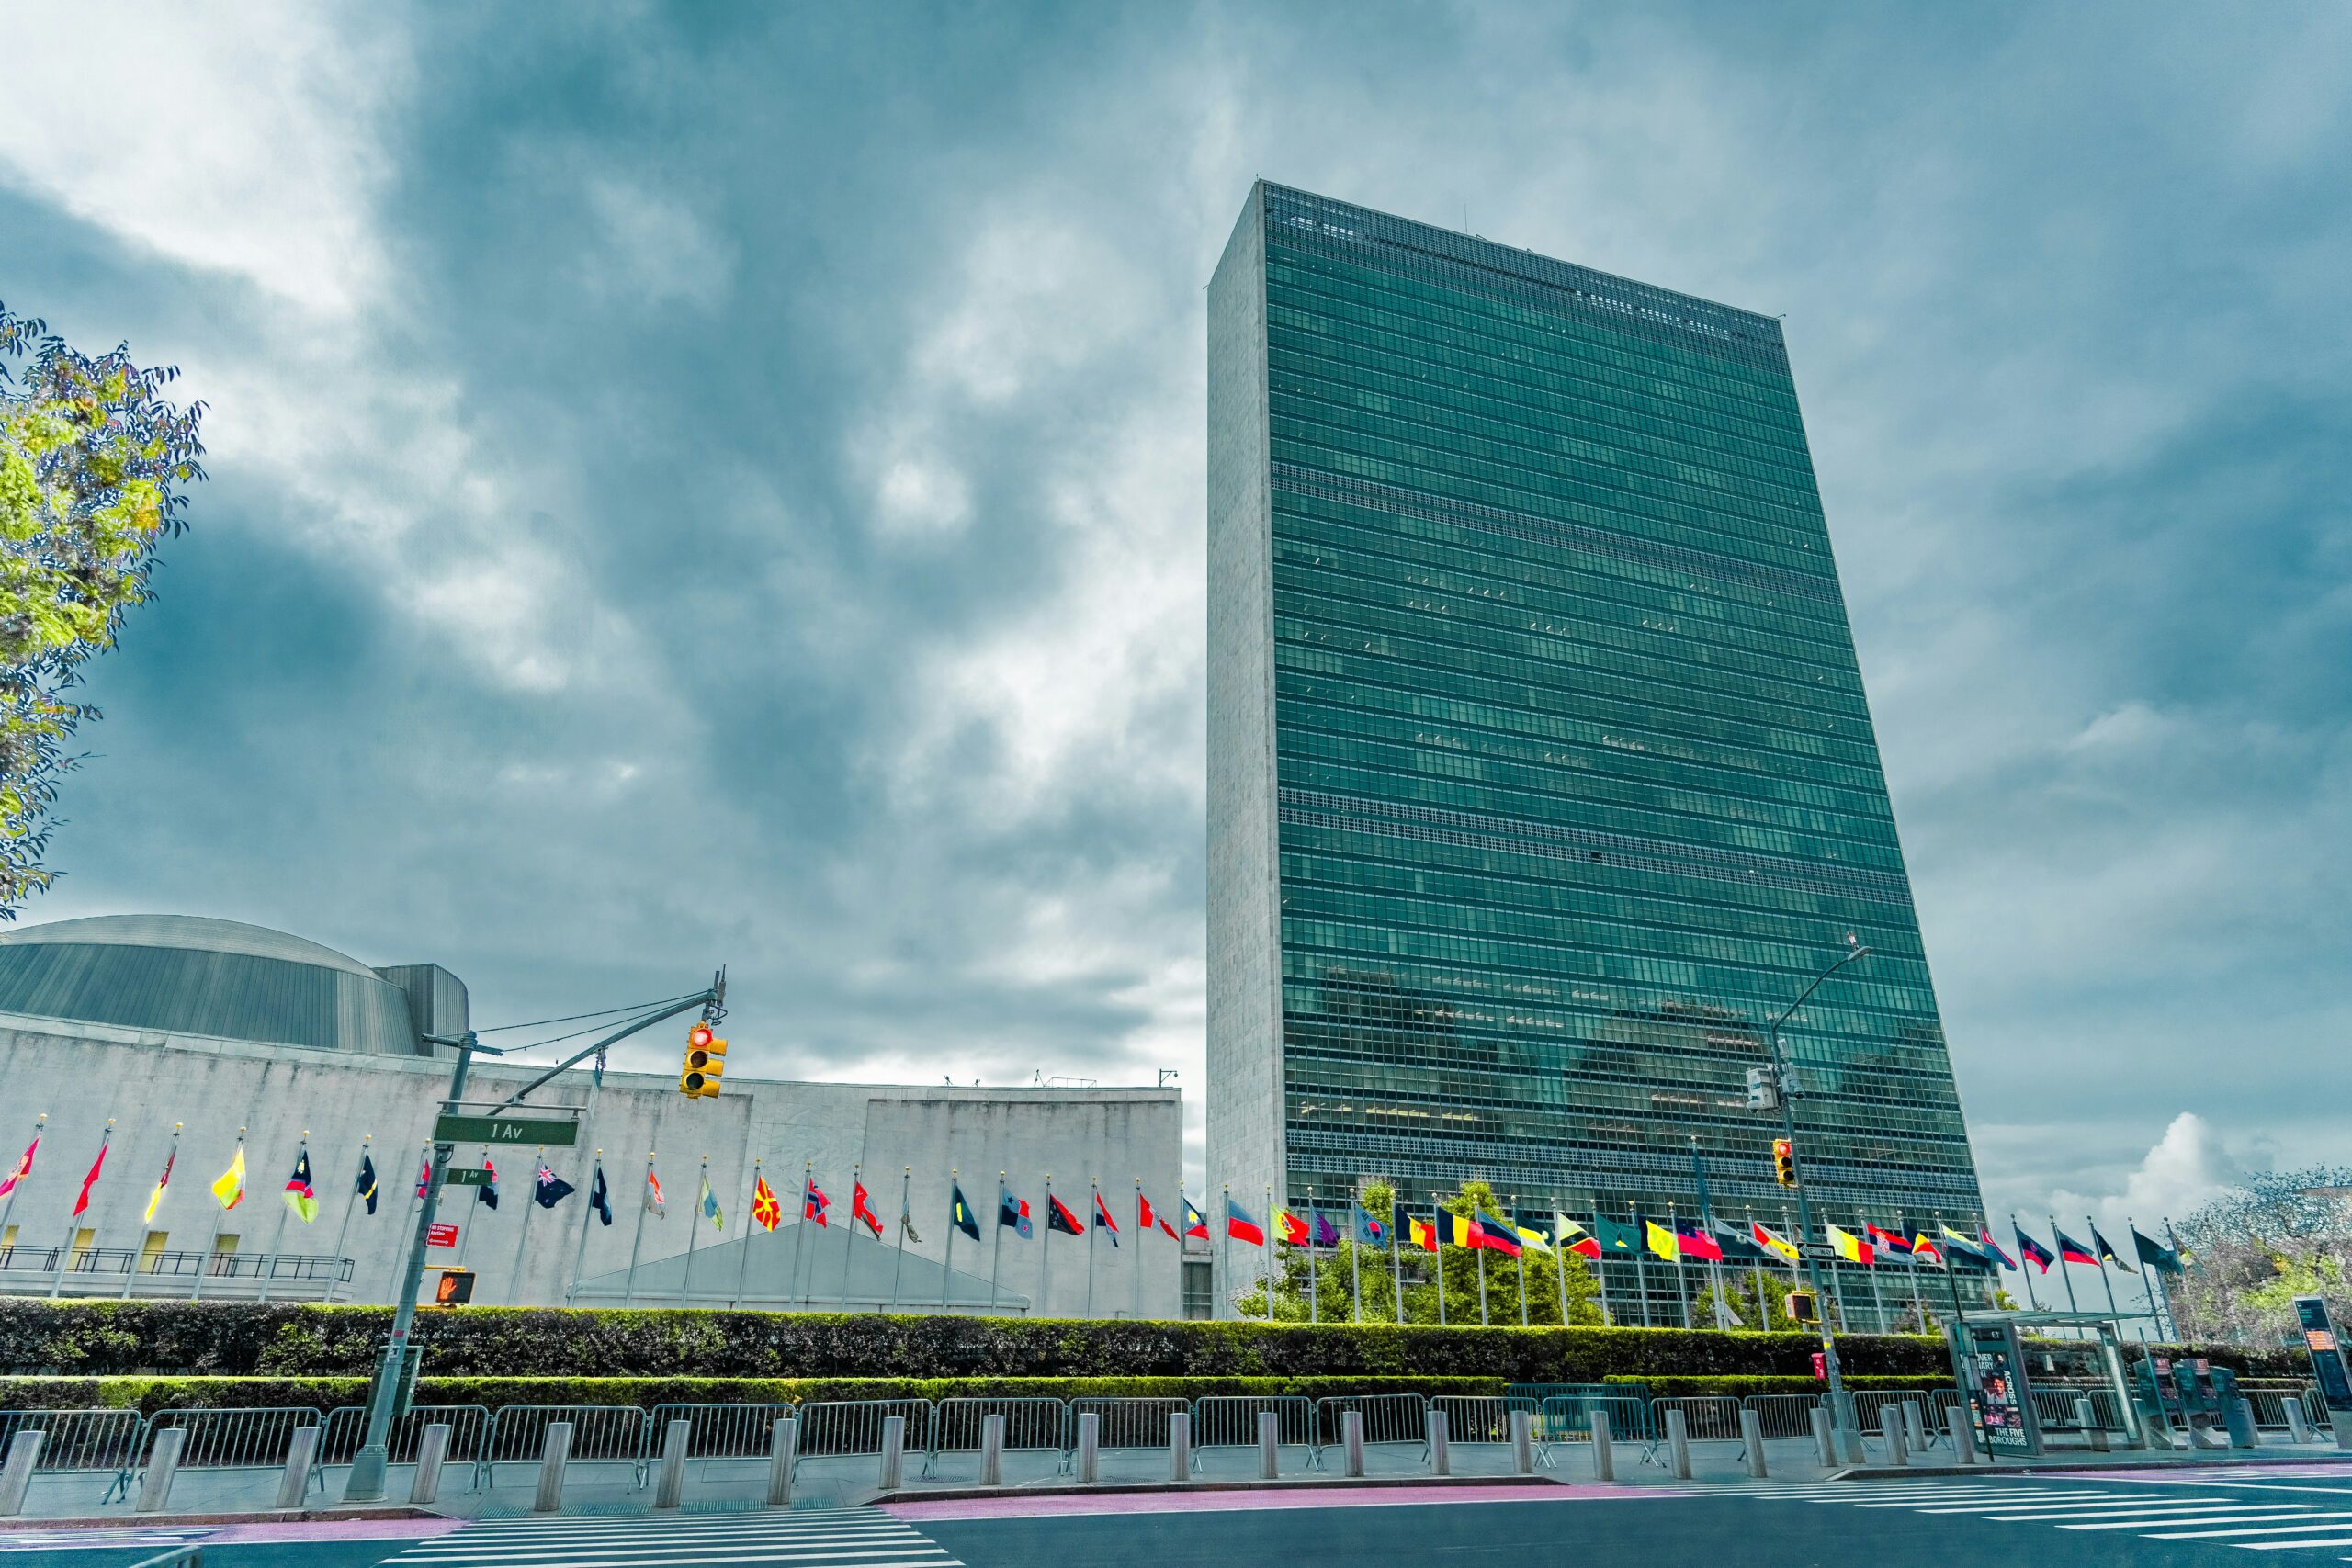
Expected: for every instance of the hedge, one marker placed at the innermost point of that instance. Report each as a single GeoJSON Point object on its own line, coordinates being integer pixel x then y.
{"type": "Point", "coordinates": [1742, 1387]}
{"type": "Point", "coordinates": [150, 1394]}
{"type": "Point", "coordinates": [245, 1339]}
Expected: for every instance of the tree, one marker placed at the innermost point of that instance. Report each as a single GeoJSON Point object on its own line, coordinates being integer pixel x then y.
{"type": "Point", "coordinates": [2252, 1250]}
{"type": "Point", "coordinates": [1376, 1274]}
{"type": "Point", "coordinates": [92, 462]}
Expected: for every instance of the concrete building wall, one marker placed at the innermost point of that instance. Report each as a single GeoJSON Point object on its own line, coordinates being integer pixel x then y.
{"type": "Point", "coordinates": [83, 1074]}
{"type": "Point", "coordinates": [1244, 1019]}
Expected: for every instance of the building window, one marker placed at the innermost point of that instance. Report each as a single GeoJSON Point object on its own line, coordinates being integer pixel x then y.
{"type": "Point", "coordinates": [80, 1251]}
{"type": "Point", "coordinates": [1200, 1298]}
{"type": "Point", "coordinates": [151, 1251]}
{"type": "Point", "coordinates": [224, 1255]}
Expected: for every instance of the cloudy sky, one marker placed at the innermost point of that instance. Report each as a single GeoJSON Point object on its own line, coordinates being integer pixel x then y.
{"type": "Point", "coordinates": [693, 489]}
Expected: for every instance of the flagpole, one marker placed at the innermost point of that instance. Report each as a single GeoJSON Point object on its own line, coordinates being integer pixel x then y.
{"type": "Point", "coordinates": [1878, 1307]}
{"type": "Point", "coordinates": [2104, 1277]}
{"type": "Point", "coordinates": [636, 1240]}
{"type": "Point", "coordinates": [1094, 1186]}
{"type": "Point", "coordinates": [799, 1228]}
{"type": "Point", "coordinates": [393, 1285]}
{"type": "Point", "coordinates": [947, 1268]}
{"type": "Point", "coordinates": [2172, 1239]}
{"type": "Point", "coordinates": [743, 1262]}
{"type": "Point", "coordinates": [1641, 1260]}
{"type": "Point", "coordinates": [694, 1232]}
{"type": "Point", "coordinates": [1272, 1243]}
{"type": "Point", "coordinates": [1225, 1253]}
{"type": "Point", "coordinates": [1437, 1235]}
{"type": "Point", "coordinates": [1681, 1272]}
{"type": "Point", "coordinates": [906, 1214]}
{"type": "Point", "coordinates": [1951, 1280]}
{"type": "Point", "coordinates": [2165, 1324]}
{"type": "Point", "coordinates": [1396, 1255]}
{"type": "Point", "coordinates": [1763, 1312]}
{"type": "Point", "coordinates": [9, 1207]}
{"type": "Point", "coordinates": [996, 1253]}
{"type": "Point", "coordinates": [1134, 1271]}
{"type": "Point", "coordinates": [1911, 1262]}
{"type": "Point", "coordinates": [1560, 1261]}
{"type": "Point", "coordinates": [848, 1231]}
{"type": "Point", "coordinates": [1707, 1227]}
{"type": "Point", "coordinates": [587, 1217]}
{"type": "Point", "coordinates": [2031, 1301]}
{"type": "Point", "coordinates": [2064, 1269]}
{"type": "Point", "coordinates": [1481, 1260]}
{"type": "Point", "coordinates": [146, 1222]}
{"type": "Point", "coordinates": [1522, 1261]}
{"type": "Point", "coordinates": [277, 1237]}
{"type": "Point", "coordinates": [1046, 1255]}
{"type": "Point", "coordinates": [72, 1222]}
{"type": "Point", "coordinates": [205, 1261]}
{"type": "Point", "coordinates": [350, 1201]}
{"type": "Point", "coordinates": [1355, 1267]}
{"type": "Point", "coordinates": [1314, 1279]}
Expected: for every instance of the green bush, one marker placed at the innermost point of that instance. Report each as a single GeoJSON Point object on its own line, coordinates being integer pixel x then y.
{"type": "Point", "coordinates": [149, 1394]}
{"type": "Point", "coordinates": [250, 1339]}
{"type": "Point", "coordinates": [1741, 1387]}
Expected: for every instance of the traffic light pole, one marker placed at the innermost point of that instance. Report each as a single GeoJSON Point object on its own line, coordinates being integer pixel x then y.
{"type": "Point", "coordinates": [1841, 1405]}
{"type": "Point", "coordinates": [366, 1483]}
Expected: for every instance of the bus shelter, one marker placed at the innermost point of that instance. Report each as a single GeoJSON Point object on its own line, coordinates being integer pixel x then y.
{"type": "Point", "coordinates": [2065, 1385]}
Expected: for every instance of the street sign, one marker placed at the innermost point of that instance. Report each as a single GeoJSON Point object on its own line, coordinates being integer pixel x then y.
{"type": "Point", "coordinates": [461, 1176]}
{"type": "Point", "coordinates": [554, 1132]}
{"type": "Point", "coordinates": [440, 1235]}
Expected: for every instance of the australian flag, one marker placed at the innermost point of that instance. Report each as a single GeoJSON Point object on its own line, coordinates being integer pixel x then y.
{"type": "Point", "coordinates": [552, 1189]}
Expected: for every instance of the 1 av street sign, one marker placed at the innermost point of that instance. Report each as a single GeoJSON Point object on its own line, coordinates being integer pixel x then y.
{"type": "Point", "coordinates": [459, 1176]}
{"type": "Point", "coordinates": [556, 1133]}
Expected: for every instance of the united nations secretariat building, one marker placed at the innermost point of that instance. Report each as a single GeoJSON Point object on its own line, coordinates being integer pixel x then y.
{"type": "Point", "coordinates": [171, 1040]}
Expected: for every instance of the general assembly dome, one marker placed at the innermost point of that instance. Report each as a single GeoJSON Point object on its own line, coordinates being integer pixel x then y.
{"type": "Point", "coordinates": [222, 979]}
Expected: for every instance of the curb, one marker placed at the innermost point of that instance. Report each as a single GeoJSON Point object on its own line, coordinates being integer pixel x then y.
{"type": "Point", "coordinates": [1118, 1488]}
{"type": "Point", "coordinates": [251, 1517]}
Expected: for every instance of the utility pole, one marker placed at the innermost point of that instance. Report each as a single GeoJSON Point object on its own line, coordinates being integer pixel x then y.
{"type": "Point", "coordinates": [1841, 1405]}
{"type": "Point", "coordinates": [365, 1482]}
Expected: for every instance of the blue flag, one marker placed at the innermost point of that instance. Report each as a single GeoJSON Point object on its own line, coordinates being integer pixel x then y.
{"type": "Point", "coordinates": [959, 1214]}
{"type": "Point", "coordinates": [365, 1187]}
{"type": "Point", "coordinates": [1012, 1211]}
{"type": "Point", "coordinates": [600, 1197]}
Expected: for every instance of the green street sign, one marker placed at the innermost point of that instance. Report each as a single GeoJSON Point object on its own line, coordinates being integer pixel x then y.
{"type": "Point", "coordinates": [458, 1176]}
{"type": "Point", "coordinates": [556, 1134]}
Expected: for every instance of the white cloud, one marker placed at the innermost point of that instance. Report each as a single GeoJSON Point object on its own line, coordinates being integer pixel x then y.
{"type": "Point", "coordinates": [236, 138]}
{"type": "Point", "coordinates": [656, 247]}
{"type": "Point", "coordinates": [2188, 1166]}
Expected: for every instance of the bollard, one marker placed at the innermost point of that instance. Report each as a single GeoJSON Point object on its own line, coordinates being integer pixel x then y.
{"type": "Point", "coordinates": [1915, 1428]}
{"type": "Point", "coordinates": [893, 1469]}
{"type": "Point", "coordinates": [2087, 1417]}
{"type": "Point", "coordinates": [294, 1485]}
{"type": "Point", "coordinates": [555, 1453]}
{"type": "Point", "coordinates": [1751, 1438]}
{"type": "Point", "coordinates": [1824, 1438]}
{"type": "Point", "coordinates": [432, 1450]}
{"type": "Point", "coordinates": [1963, 1437]}
{"type": "Point", "coordinates": [1270, 1445]}
{"type": "Point", "coordinates": [163, 1463]}
{"type": "Point", "coordinates": [783, 1449]}
{"type": "Point", "coordinates": [1090, 1446]}
{"type": "Point", "coordinates": [671, 1489]}
{"type": "Point", "coordinates": [1522, 1443]}
{"type": "Point", "coordinates": [2298, 1429]}
{"type": "Point", "coordinates": [1848, 1423]}
{"type": "Point", "coordinates": [1440, 1450]}
{"type": "Point", "coordinates": [1678, 1443]}
{"type": "Point", "coordinates": [1351, 1440]}
{"type": "Point", "coordinates": [992, 1450]}
{"type": "Point", "coordinates": [1604, 1467]}
{"type": "Point", "coordinates": [1179, 1446]}
{"type": "Point", "coordinates": [2244, 1433]}
{"type": "Point", "coordinates": [1889, 1425]}
{"type": "Point", "coordinates": [17, 1476]}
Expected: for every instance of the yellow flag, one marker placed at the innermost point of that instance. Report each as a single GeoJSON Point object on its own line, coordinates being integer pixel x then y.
{"type": "Point", "coordinates": [1662, 1241]}
{"type": "Point", "coordinates": [230, 1188]}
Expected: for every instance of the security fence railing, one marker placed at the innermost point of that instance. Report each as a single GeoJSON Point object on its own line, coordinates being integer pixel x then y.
{"type": "Point", "coordinates": [104, 1440]}
{"type": "Point", "coordinates": [1783, 1415]}
{"type": "Point", "coordinates": [1388, 1418]}
{"type": "Point", "coordinates": [1130, 1422]}
{"type": "Point", "coordinates": [1870, 1405]}
{"type": "Point", "coordinates": [227, 1439]}
{"type": "Point", "coordinates": [1230, 1421]}
{"type": "Point", "coordinates": [1706, 1418]}
{"type": "Point", "coordinates": [518, 1432]}
{"type": "Point", "coordinates": [831, 1428]}
{"type": "Point", "coordinates": [1568, 1418]}
{"type": "Point", "coordinates": [2056, 1409]}
{"type": "Point", "coordinates": [346, 1430]}
{"type": "Point", "coordinates": [1030, 1423]}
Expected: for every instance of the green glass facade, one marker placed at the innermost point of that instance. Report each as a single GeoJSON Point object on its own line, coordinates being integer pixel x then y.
{"type": "Point", "coordinates": [1542, 772]}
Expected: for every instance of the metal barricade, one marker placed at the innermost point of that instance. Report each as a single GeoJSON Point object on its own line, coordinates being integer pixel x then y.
{"type": "Point", "coordinates": [1706, 1418]}
{"type": "Point", "coordinates": [2271, 1403]}
{"type": "Point", "coordinates": [718, 1431]}
{"type": "Point", "coordinates": [598, 1432]}
{"type": "Point", "coordinates": [1783, 1415]}
{"type": "Point", "coordinates": [834, 1427]}
{"type": "Point", "coordinates": [2054, 1410]}
{"type": "Point", "coordinates": [1480, 1417]}
{"type": "Point", "coordinates": [1130, 1422]}
{"type": "Point", "coordinates": [81, 1439]}
{"type": "Point", "coordinates": [346, 1431]}
{"type": "Point", "coordinates": [1230, 1421]}
{"type": "Point", "coordinates": [231, 1439]}
{"type": "Point", "coordinates": [1030, 1423]}
{"type": "Point", "coordinates": [1394, 1418]}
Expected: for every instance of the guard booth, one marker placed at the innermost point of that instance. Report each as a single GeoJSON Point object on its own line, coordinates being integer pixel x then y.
{"type": "Point", "coordinates": [2067, 1388]}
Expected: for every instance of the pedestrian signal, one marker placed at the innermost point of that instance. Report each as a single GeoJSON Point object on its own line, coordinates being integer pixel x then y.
{"type": "Point", "coordinates": [455, 1289]}
{"type": "Point", "coordinates": [706, 1060]}
{"type": "Point", "coordinates": [1804, 1307]}
{"type": "Point", "coordinates": [1784, 1161]}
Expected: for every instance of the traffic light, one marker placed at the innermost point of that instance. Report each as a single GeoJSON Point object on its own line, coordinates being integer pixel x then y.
{"type": "Point", "coordinates": [706, 1060]}
{"type": "Point", "coordinates": [455, 1289]}
{"type": "Point", "coordinates": [1784, 1161]}
{"type": "Point", "coordinates": [1802, 1307]}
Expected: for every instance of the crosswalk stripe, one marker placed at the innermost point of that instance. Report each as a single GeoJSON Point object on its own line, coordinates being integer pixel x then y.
{"type": "Point", "coordinates": [636, 1555]}
{"type": "Point", "coordinates": [830, 1539]}
{"type": "Point", "coordinates": [2282, 1528]}
{"type": "Point", "coordinates": [2049, 1500]}
{"type": "Point", "coordinates": [2121, 1510]}
{"type": "Point", "coordinates": [893, 1540]}
{"type": "Point", "coordinates": [2297, 1545]}
{"type": "Point", "coordinates": [2235, 1516]}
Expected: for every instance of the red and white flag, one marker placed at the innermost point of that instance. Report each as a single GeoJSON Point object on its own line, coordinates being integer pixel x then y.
{"type": "Point", "coordinates": [24, 1167]}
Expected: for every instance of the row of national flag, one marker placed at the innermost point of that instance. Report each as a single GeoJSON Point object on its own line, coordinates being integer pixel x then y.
{"type": "Point", "coordinates": [228, 1187]}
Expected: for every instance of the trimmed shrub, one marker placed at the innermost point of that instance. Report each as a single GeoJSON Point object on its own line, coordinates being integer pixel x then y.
{"type": "Point", "coordinates": [151, 1395]}
{"type": "Point", "coordinates": [1741, 1387]}
{"type": "Point", "coordinates": [247, 1340]}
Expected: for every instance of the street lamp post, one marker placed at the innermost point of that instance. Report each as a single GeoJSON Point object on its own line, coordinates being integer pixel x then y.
{"type": "Point", "coordinates": [1841, 1406]}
